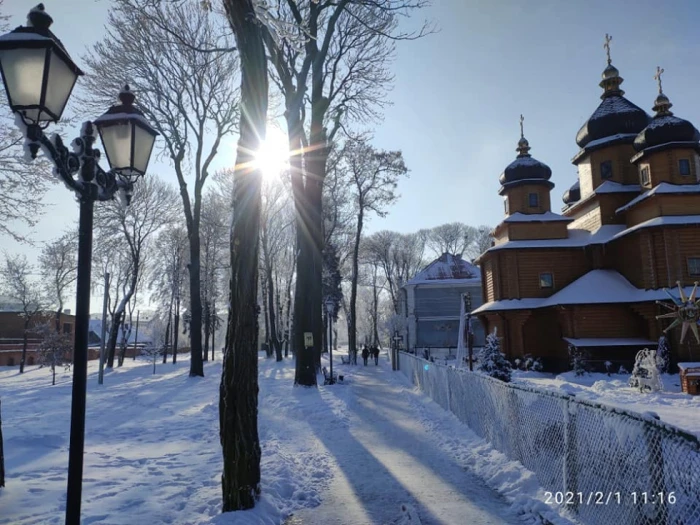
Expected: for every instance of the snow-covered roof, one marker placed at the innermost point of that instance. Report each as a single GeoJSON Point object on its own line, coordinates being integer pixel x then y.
{"type": "Point", "coordinates": [663, 187]}
{"type": "Point", "coordinates": [664, 220]}
{"type": "Point", "coordinates": [689, 364]}
{"type": "Point", "coordinates": [536, 217]}
{"type": "Point", "coordinates": [606, 187]}
{"type": "Point", "coordinates": [609, 341]}
{"type": "Point", "coordinates": [576, 238]}
{"type": "Point", "coordinates": [447, 268]}
{"type": "Point", "coordinates": [595, 287]}
{"type": "Point", "coordinates": [611, 138]}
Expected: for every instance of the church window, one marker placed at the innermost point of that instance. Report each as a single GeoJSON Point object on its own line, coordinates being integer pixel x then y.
{"type": "Point", "coordinates": [606, 171]}
{"type": "Point", "coordinates": [534, 200]}
{"type": "Point", "coordinates": [693, 266]}
{"type": "Point", "coordinates": [505, 206]}
{"type": "Point", "coordinates": [644, 175]}
{"type": "Point", "coordinates": [546, 280]}
{"type": "Point", "coordinates": [684, 166]}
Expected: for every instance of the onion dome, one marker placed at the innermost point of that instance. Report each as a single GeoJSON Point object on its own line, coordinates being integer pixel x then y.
{"type": "Point", "coordinates": [615, 115]}
{"type": "Point", "coordinates": [573, 194]}
{"type": "Point", "coordinates": [665, 128]}
{"type": "Point", "coordinates": [525, 169]}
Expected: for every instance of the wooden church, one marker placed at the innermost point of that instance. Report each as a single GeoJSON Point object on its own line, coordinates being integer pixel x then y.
{"type": "Point", "coordinates": [590, 276]}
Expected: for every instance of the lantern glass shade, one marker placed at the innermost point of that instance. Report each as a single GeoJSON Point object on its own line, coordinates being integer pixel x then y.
{"type": "Point", "coordinates": [127, 143]}
{"type": "Point", "coordinates": [329, 307]}
{"type": "Point", "coordinates": [38, 82]}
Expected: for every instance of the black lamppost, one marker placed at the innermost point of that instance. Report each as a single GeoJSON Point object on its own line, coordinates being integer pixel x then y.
{"type": "Point", "coordinates": [39, 76]}
{"type": "Point", "coordinates": [470, 334]}
{"type": "Point", "coordinates": [330, 308]}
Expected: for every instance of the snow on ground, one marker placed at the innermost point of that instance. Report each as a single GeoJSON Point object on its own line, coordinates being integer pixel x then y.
{"type": "Point", "coordinates": [371, 451]}
{"type": "Point", "coordinates": [672, 406]}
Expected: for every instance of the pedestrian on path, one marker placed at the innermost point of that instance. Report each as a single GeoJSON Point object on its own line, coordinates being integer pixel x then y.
{"type": "Point", "coordinates": [365, 354]}
{"type": "Point", "coordinates": [375, 354]}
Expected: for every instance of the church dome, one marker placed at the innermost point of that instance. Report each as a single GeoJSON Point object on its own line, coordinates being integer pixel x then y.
{"type": "Point", "coordinates": [615, 115]}
{"type": "Point", "coordinates": [665, 127]}
{"type": "Point", "coordinates": [524, 167]}
{"type": "Point", "coordinates": [573, 194]}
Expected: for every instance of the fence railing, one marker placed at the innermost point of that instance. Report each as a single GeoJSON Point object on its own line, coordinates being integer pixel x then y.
{"type": "Point", "coordinates": [606, 465]}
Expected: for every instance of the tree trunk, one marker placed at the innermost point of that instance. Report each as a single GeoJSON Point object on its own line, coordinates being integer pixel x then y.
{"type": "Point", "coordinates": [375, 307]}
{"type": "Point", "coordinates": [238, 405]}
{"type": "Point", "coordinates": [352, 314]}
{"type": "Point", "coordinates": [24, 345]}
{"type": "Point", "coordinates": [196, 363]}
{"type": "Point", "coordinates": [273, 339]}
{"type": "Point", "coordinates": [175, 331]}
{"type": "Point", "coordinates": [207, 329]}
{"type": "Point", "coordinates": [2, 453]}
{"type": "Point", "coordinates": [167, 332]}
{"type": "Point", "coordinates": [265, 309]}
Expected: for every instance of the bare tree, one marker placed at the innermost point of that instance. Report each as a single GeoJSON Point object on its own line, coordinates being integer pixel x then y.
{"type": "Point", "coordinates": [22, 184]}
{"type": "Point", "coordinates": [54, 348]}
{"type": "Point", "coordinates": [19, 285]}
{"type": "Point", "coordinates": [238, 394]}
{"type": "Point", "coordinates": [373, 176]}
{"type": "Point", "coordinates": [189, 96]}
{"type": "Point", "coordinates": [152, 208]}
{"type": "Point", "coordinates": [483, 240]}
{"type": "Point", "coordinates": [341, 73]}
{"type": "Point", "coordinates": [399, 255]}
{"type": "Point", "coordinates": [454, 238]}
{"type": "Point", "coordinates": [58, 263]}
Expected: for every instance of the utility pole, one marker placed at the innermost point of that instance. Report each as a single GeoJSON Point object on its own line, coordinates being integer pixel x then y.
{"type": "Point", "coordinates": [136, 337]}
{"type": "Point", "coordinates": [470, 334]}
{"type": "Point", "coordinates": [100, 376]}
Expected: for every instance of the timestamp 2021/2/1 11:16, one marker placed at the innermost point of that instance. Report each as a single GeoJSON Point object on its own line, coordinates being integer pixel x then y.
{"type": "Point", "coordinates": [610, 498]}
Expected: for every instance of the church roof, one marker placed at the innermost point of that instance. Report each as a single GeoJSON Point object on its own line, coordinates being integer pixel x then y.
{"type": "Point", "coordinates": [447, 267]}
{"type": "Point", "coordinates": [595, 287]}
{"type": "Point", "coordinates": [573, 194]}
{"type": "Point", "coordinates": [662, 187]}
{"type": "Point", "coordinates": [614, 117]}
{"type": "Point", "coordinates": [547, 216]}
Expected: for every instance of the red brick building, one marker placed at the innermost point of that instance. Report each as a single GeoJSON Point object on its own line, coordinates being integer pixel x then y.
{"type": "Point", "coordinates": [12, 334]}
{"type": "Point", "coordinates": [590, 276]}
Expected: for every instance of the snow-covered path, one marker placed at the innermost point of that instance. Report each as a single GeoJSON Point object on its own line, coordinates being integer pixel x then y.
{"type": "Point", "coordinates": [385, 454]}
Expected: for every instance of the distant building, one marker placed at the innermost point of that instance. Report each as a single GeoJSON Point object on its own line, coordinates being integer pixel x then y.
{"type": "Point", "coordinates": [431, 303]}
{"type": "Point", "coordinates": [12, 331]}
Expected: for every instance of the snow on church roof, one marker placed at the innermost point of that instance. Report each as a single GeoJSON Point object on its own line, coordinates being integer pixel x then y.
{"type": "Point", "coordinates": [662, 187]}
{"type": "Point", "coordinates": [536, 217]}
{"type": "Point", "coordinates": [595, 287]}
{"type": "Point", "coordinates": [447, 267]}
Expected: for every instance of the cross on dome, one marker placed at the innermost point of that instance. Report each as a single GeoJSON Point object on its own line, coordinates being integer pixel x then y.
{"type": "Point", "coordinates": [606, 46]}
{"type": "Point", "coordinates": [522, 119]}
{"type": "Point", "coordinates": [657, 77]}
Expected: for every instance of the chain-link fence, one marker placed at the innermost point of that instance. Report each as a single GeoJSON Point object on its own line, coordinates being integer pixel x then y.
{"type": "Point", "coordinates": [606, 465]}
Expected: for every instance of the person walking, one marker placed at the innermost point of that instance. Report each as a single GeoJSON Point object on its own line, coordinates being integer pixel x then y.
{"type": "Point", "coordinates": [375, 354]}
{"type": "Point", "coordinates": [365, 354]}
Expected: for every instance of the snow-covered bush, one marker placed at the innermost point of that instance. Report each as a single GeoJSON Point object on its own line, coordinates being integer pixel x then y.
{"type": "Point", "coordinates": [54, 350]}
{"type": "Point", "coordinates": [533, 364]}
{"type": "Point", "coordinates": [578, 358]}
{"type": "Point", "coordinates": [608, 367]}
{"type": "Point", "coordinates": [492, 361]}
{"type": "Point", "coordinates": [645, 374]}
{"type": "Point", "coordinates": [662, 355]}
{"type": "Point", "coordinates": [517, 364]}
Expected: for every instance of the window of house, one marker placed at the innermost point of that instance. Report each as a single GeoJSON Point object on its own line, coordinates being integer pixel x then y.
{"type": "Point", "coordinates": [693, 266]}
{"type": "Point", "coordinates": [606, 171]}
{"type": "Point", "coordinates": [644, 175]}
{"type": "Point", "coordinates": [546, 280]}
{"type": "Point", "coordinates": [684, 167]}
{"type": "Point", "coordinates": [67, 328]}
{"type": "Point", "coordinates": [534, 200]}
{"type": "Point", "coordinates": [505, 206]}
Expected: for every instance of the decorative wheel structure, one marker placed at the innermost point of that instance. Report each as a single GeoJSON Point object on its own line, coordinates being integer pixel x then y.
{"type": "Point", "coordinates": [684, 311]}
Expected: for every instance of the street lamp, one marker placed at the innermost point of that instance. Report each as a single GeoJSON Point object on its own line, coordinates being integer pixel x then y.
{"type": "Point", "coordinates": [330, 308]}
{"type": "Point", "coordinates": [39, 76]}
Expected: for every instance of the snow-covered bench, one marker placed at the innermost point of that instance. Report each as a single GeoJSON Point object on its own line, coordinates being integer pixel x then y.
{"type": "Point", "coordinates": [345, 359]}
{"type": "Point", "coordinates": [327, 377]}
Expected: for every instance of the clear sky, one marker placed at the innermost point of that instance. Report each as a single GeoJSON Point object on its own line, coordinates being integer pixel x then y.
{"type": "Point", "coordinates": [458, 94]}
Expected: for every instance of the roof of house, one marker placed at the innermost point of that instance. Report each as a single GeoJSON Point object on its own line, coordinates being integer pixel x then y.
{"type": "Point", "coordinates": [609, 341]}
{"type": "Point", "coordinates": [447, 269]}
{"type": "Point", "coordinates": [595, 287]}
{"type": "Point", "coordinates": [662, 187]}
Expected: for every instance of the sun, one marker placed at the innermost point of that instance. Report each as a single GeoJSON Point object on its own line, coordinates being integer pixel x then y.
{"type": "Point", "coordinates": [273, 156]}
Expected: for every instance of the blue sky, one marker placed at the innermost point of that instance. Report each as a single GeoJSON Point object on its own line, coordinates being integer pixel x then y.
{"type": "Point", "coordinates": [458, 94]}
